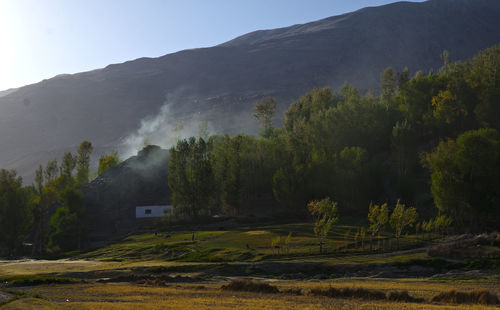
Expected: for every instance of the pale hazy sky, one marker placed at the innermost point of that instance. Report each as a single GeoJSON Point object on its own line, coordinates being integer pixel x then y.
{"type": "Point", "coordinates": [42, 38]}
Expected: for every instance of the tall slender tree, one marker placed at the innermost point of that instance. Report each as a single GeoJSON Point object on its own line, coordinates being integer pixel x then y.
{"type": "Point", "coordinates": [83, 161]}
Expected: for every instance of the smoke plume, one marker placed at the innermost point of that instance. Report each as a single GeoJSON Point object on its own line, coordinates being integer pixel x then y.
{"type": "Point", "coordinates": [164, 130]}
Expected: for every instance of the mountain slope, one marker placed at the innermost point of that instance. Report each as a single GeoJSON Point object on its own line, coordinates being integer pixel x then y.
{"type": "Point", "coordinates": [222, 83]}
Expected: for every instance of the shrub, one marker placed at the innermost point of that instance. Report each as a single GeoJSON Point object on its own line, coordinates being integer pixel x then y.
{"type": "Point", "coordinates": [292, 291]}
{"type": "Point", "coordinates": [401, 296]}
{"type": "Point", "coordinates": [473, 297]}
{"type": "Point", "coordinates": [346, 292]}
{"type": "Point", "coordinates": [250, 286]}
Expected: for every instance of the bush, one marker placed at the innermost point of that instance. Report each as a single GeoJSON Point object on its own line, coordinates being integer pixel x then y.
{"type": "Point", "coordinates": [473, 297]}
{"type": "Point", "coordinates": [250, 286]}
{"type": "Point", "coordinates": [346, 292]}
{"type": "Point", "coordinates": [292, 291]}
{"type": "Point", "coordinates": [401, 296]}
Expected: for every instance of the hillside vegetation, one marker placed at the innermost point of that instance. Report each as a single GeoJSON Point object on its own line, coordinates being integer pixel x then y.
{"type": "Point", "coordinates": [221, 84]}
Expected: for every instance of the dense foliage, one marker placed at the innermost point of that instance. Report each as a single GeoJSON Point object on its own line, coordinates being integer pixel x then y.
{"type": "Point", "coordinates": [363, 149]}
{"type": "Point", "coordinates": [14, 211]}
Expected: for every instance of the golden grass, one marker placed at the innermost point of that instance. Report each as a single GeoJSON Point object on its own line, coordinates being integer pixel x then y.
{"type": "Point", "coordinates": [60, 266]}
{"type": "Point", "coordinates": [30, 304]}
{"type": "Point", "coordinates": [210, 296]}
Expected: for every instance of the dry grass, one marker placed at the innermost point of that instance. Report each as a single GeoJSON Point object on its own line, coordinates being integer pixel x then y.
{"type": "Point", "coordinates": [190, 296]}
{"type": "Point", "coordinates": [483, 297]}
{"type": "Point", "coordinates": [30, 304]}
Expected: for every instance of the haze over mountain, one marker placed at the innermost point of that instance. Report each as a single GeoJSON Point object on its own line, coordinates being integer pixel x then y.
{"type": "Point", "coordinates": [117, 106]}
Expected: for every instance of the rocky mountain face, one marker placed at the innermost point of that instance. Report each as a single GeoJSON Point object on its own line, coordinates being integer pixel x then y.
{"type": "Point", "coordinates": [221, 84]}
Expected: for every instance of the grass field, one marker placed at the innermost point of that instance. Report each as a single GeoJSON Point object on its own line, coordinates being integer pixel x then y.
{"type": "Point", "coordinates": [170, 270]}
{"type": "Point", "coordinates": [240, 244]}
{"type": "Point", "coordinates": [209, 295]}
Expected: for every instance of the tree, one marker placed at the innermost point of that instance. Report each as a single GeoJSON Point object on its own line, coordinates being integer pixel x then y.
{"type": "Point", "coordinates": [403, 78]}
{"type": "Point", "coordinates": [404, 149]}
{"type": "Point", "coordinates": [264, 112]}
{"type": "Point", "coordinates": [427, 227]}
{"type": "Point", "coordinates": [177, 175]}
{"type": "Point", "coordinates": [191, 177]}
{"type": "Point", "coordinates": [347, 236]}
{"type": "Point", "coordinates": [324, 213]}
{"type": "Point", "coordinates": [362, 235]}
{"type": "Point", "coordinates": [378, 217]}
{"type": "Point", "coordinates": [232, 187]}
{"type": "Point", "coordinates": [15, 216]}
{"type": "Point", "coordinates": [107, 162]}
{"type": "Point", "coordinates": [464, 178]}
{"type": "Point", "coordinates": [404, 145]}
{"type": "Point", "coordinates": [38, 213]}
{"type": "Point", "coordinates": [66, 226]}
{"type": "Point", "coordinates": [401, 218]}
{"type": "Point", "coordinates": [356, 237]}
{"type": "Point", "coordinates": [448, 109]}
{"type": "Point", "coordinates": [51, 171]}
{"type": "Point", "coordinates": [83, 161]}
{"type": "Point", "coordinates": [68, 164]}
{"type": "Point", "coordinates": [441, 223]}
{"type": "Point", "coordinates": [63, 230]}
{"type": "Point", "coordinates": [388, 86]}
{"type": "Point", "coordinates": [355, 178]}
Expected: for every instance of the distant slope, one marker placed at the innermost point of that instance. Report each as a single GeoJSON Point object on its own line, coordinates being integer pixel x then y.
{"type": "Point", "coordinates": [222, 83]}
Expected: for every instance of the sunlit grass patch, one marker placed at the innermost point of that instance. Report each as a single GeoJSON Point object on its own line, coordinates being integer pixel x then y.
{"type": "Point", "coordinates": [189, 296]}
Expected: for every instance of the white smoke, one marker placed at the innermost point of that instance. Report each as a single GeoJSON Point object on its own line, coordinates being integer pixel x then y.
{"type": "Point", "coordinates": [164, 130]}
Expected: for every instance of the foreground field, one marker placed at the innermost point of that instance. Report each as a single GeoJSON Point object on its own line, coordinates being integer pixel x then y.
{"type": "Point", "coordinates": [186, 270]}
{"type": "Point", "coordinates": [209, 295]}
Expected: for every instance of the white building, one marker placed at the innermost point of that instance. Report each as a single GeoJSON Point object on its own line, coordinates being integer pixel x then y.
{"type": "Point", "coordinates": [153, 211]}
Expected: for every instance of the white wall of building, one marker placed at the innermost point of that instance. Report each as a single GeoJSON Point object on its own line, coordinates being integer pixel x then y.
{"type": "Point", "coordinates": [153, 211]}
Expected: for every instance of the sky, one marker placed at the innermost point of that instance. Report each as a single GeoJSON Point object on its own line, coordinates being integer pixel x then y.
{"type": "Point", "coordinates": [43, 38]}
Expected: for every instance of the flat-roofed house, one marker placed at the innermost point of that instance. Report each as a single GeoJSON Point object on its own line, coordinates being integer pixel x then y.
{"type": "Point", "coordinates": [153, 211]}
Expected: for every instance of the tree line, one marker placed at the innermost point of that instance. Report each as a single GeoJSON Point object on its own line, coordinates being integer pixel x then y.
{"type": "Point", "coordinates": [430, 139]}
{"type": "Point", "coordinates": [24, 210]}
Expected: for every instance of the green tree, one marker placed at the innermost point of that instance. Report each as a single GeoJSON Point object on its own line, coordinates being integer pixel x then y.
{"type": "Point", "coordinates": [404, 145]}
{"type": "Point", "coordinates": [51, 170]}
{"type": "Point", "coordinates": [442, 223]}
{"type": "Point", "coordinates": [448, 109]}
{"type": "Point", "coordinates": [68, 164]}
{"type": "Point", "coordinates": [15, 211]}
{"type": "Point", "coordinates": [464, 178]}
{"type": "Point", "coordinates": [38, 212]}
{"type": "Point", "coordinates": [402, 218]}
{"type": "Point", "coordinates": [264, 112]}
{"type": "Point", "coordinates": [378, 215]}
{"type": "Point", "coordinates": [66, 226]}
{"type": "Point", "coordinates": [107, 162]}
{"type": "Point", "coordinates": [83, 161]}
{"type": "Point", "coordinates": [191, 177]}
{"type": "Point", "coordinates": [324, 213]}
{"type": "Point", "coordinates": [356, 179]}
{"type": "Point", "coordinates": [288, 186]}
{"type": "Point", "coordinates": [404, 150]}
{"type": "Point", "coordinates": [362, 235]}
{"type": "Point", "coordinates": [232, 187]}
{"type": "Point", "coordinates": [388, 86]}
